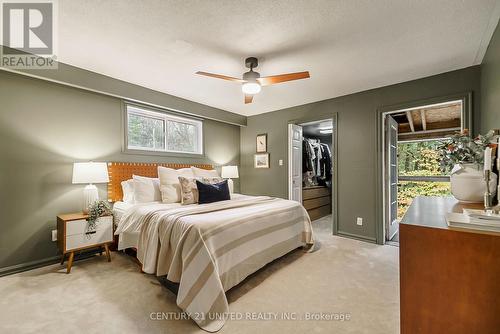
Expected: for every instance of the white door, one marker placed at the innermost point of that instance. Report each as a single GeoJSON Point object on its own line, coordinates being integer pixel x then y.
{"type": "Point", "coordinates": [295, 162]}
{"type": "Point", "coordinates": [391, 170]}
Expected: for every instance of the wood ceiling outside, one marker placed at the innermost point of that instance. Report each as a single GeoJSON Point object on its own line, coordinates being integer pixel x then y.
{"type": "Point", "coordinates": [429, 122]}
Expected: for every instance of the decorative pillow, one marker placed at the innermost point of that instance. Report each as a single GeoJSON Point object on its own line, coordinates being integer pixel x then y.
{"type": "Point", "coordinates": [198, 172]}
{"type": "Point", "coordinates": [146, 189]}
{"type": "Point", "coordinates": [169, 183]}
{"type": "Point", "coordinates": [189, 190]}
{"type": "Point", "coordinates": [209, 193]}
{"type": "Point", "coordinates": [128, 191]}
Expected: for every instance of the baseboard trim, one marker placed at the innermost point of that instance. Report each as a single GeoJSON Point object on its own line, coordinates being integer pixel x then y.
{"type": "Point", "coordinates": [357, 237]}
{"type": "Point", "coordinates": [18, 268]}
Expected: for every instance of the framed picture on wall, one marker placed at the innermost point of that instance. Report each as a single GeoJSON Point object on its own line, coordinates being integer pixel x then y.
{"type": "Point", "coordinates": [261, 143]}
{"type": "Point", "coordinates": [261, 160]}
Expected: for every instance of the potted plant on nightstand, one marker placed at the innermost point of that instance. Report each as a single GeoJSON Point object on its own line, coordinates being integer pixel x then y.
{"type": "Point", "coordinates": [96, 210]}
{"type": "Point", "coordinates": [463, 157]}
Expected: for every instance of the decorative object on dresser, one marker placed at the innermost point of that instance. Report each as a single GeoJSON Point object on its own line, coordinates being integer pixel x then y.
{"type": "Point", "coordinates": [229, 173]}
{"type": "Point", "coordinates": [261, 143]}
{"type": "Point", "coordinates": [75, 233]}
{"type": "Point", "coordinates": [488, 195]}
{"type": "Point", "coordinates": [261, 160]}
{"type": "Point", "coordinates": [465, 157]}
{"type": "Point", "coordinates": [90, 173]}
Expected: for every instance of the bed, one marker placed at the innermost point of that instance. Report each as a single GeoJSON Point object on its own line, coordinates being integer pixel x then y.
{"type": "Point", "coordinates": [209, 248]}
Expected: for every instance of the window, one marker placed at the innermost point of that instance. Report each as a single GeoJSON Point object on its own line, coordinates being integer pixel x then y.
{"type": "Point", "coordinates": [148, 130]}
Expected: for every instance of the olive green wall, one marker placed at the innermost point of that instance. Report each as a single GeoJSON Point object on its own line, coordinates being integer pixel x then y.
{"type": "Point", "coordinates": [88, 80]}
{"type": "Point", "coordinates": [44, 128]}
{"type": "Point", "coordinates": [490, 85]}
{"type": "Point", "coordinates": [357, 143]}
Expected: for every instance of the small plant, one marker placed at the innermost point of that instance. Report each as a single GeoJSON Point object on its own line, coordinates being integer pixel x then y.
{"type": "Point", "coordinates": [461, 148]}
{"type": "Point", "coordinates": [96, 210]}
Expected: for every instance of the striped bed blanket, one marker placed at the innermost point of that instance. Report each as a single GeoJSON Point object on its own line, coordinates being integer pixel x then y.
{"type": "Point", "coordinates": [210, 248]}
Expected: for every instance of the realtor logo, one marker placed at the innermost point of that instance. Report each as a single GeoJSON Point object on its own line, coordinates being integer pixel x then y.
{"type": "Point", "coordinates": [28, 31]}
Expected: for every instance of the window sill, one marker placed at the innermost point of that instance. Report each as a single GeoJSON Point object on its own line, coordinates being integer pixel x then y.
{"type": "Point", "coordinates": [437, 178]}
{"type": "Point", "coordinates": [163, 154]}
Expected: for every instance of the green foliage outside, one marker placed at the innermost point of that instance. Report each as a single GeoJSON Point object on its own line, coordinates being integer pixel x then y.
{"type": "Point", "coordinates": [419, 159]}
{"type": "Point", "coordinates": [149, 132]}
{"type": "Point", "coordinates": [146, 132]}
{"type": "Point", "coordinates": [407, 191]}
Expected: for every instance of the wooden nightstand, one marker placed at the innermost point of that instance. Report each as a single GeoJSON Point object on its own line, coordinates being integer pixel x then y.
{"type": "Point", "coordinates": [73, 235]}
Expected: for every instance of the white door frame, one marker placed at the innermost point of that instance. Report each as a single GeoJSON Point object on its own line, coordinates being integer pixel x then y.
{"type": "Point", "coordinates": [466, 123]}
{"type": "Point", "coordinates": [302, 122]}
{"type": "Point", "coordinates": [290, 162]}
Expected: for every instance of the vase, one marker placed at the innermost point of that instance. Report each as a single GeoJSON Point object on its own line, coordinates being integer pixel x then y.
{"type": "Point", "coordinates": [467, 183]}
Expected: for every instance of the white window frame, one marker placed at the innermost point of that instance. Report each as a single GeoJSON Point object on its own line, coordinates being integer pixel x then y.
{"type": "Point", "coordinates": [165, 117]}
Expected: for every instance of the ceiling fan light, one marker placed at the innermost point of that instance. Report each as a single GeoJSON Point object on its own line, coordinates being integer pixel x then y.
{"type": "Point", "coordinates": [250, 88]}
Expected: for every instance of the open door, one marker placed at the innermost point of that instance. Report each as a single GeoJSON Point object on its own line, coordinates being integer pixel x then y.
{"type": "Point", "coordinates": [295, 162]}
{"type": "Point", "coordinates": [391, 173]}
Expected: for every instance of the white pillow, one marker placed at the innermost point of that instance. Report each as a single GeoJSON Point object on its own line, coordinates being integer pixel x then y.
{"type": "Point", "coordinates": [146, 189]}
{"type": "Point", "coordinates": [128, 191]}
{"type": "Point", "coordinates": [170, 187]}
{"type": "Point", "coordinates": [198, 172]}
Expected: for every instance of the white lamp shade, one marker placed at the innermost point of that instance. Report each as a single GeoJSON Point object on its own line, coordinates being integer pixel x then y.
{"type": "Point", "coordinates": [229, 172]}
{"type": "Point", "coordinates": [90, 172]}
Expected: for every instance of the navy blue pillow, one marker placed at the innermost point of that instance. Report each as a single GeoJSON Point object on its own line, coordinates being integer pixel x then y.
{"type": "Point", "coordinates": [209, 193]}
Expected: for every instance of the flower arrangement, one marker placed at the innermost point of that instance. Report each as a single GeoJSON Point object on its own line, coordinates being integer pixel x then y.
{"type": "Point", "coordinates": [96, 210]}
{"type": "Point", "coordinates": [461, 148]}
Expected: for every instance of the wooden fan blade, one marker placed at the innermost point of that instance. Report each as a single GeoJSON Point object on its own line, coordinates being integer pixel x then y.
{"type": "Point", "coordinates": [274, 79]}
{"type": "Point", "coordinates": [220, 76]}
{"type": "Point", "coordinates": [248, 98]}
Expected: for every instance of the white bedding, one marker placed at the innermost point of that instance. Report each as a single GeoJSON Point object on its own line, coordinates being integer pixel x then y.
{"type": "Point", "coordinates": [130, 238]}
{"type": "Point", "coordinates": [126, 239]}
{"type": "Point", "coordinates": [120, 207]}
{"type": "Point", "coordinates": [210, 248]}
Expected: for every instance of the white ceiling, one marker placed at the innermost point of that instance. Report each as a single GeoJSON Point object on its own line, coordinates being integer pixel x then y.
{"type": "Point", "coordinates": [348, 45]}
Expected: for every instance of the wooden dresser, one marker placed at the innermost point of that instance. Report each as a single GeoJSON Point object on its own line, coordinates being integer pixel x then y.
{"type": "Point", "coordinates": [317, 201]}
{"type": "Point", "coordinates": [449, 278]}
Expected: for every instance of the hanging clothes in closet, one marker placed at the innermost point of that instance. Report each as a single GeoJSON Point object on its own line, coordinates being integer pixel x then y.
{"type": "Point", "coordinates": [325, 177]}
{"type": "Point", "coordinates": [316, 163]}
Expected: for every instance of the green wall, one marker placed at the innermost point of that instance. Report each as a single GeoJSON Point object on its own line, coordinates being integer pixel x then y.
{"type": "Point", "coordinates": [92, 81]}
{"type": "Point", "coordinates": [490, 85]}
{"type": "Point", "coordinates": [357, 142]}
{"type": "Point", "coordinates": [44, 128]}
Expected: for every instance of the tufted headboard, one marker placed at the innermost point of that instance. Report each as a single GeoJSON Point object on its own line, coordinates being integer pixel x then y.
{"type": "Point", "coordinates": [122, 171]}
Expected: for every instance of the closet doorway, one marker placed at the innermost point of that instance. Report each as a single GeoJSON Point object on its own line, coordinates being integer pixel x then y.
{"type": "Point", "coordinates": [312, 164]}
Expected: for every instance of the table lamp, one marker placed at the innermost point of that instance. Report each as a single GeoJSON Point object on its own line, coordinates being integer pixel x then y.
{"type": "Point", "coordinates": [90, 173]}
{"type": "Point", "coordinates": [230, 172]}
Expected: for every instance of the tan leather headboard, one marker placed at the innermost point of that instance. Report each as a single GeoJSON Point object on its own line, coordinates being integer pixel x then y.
{"type": "Point", "coordinates": [122, 171]}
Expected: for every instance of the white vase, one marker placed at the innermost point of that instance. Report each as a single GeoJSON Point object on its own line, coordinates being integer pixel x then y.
{"type": "Point", "coordinates": [467, 183]}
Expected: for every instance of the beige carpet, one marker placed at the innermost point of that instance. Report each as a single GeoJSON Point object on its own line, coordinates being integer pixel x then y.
{"type": "Point", "coordinates": [343, 276]}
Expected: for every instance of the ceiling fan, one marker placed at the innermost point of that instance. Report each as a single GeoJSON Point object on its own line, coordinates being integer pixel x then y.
{"type": "Point", "coordinates": [252, 82]}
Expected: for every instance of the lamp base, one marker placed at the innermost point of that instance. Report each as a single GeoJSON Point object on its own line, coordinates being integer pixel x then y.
{"type": "Point", "coordinates": [230, 185]}
{"type": "Point", "coordinates": [90, 195]}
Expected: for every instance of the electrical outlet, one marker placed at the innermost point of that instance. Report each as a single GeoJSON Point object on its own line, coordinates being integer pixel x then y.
{"type": "Point", "coordinates": [359, 221]}
{"type": "Point", "coordinates": [54, 235]}
{"type": "Point", "coordinates": [280, 162]}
